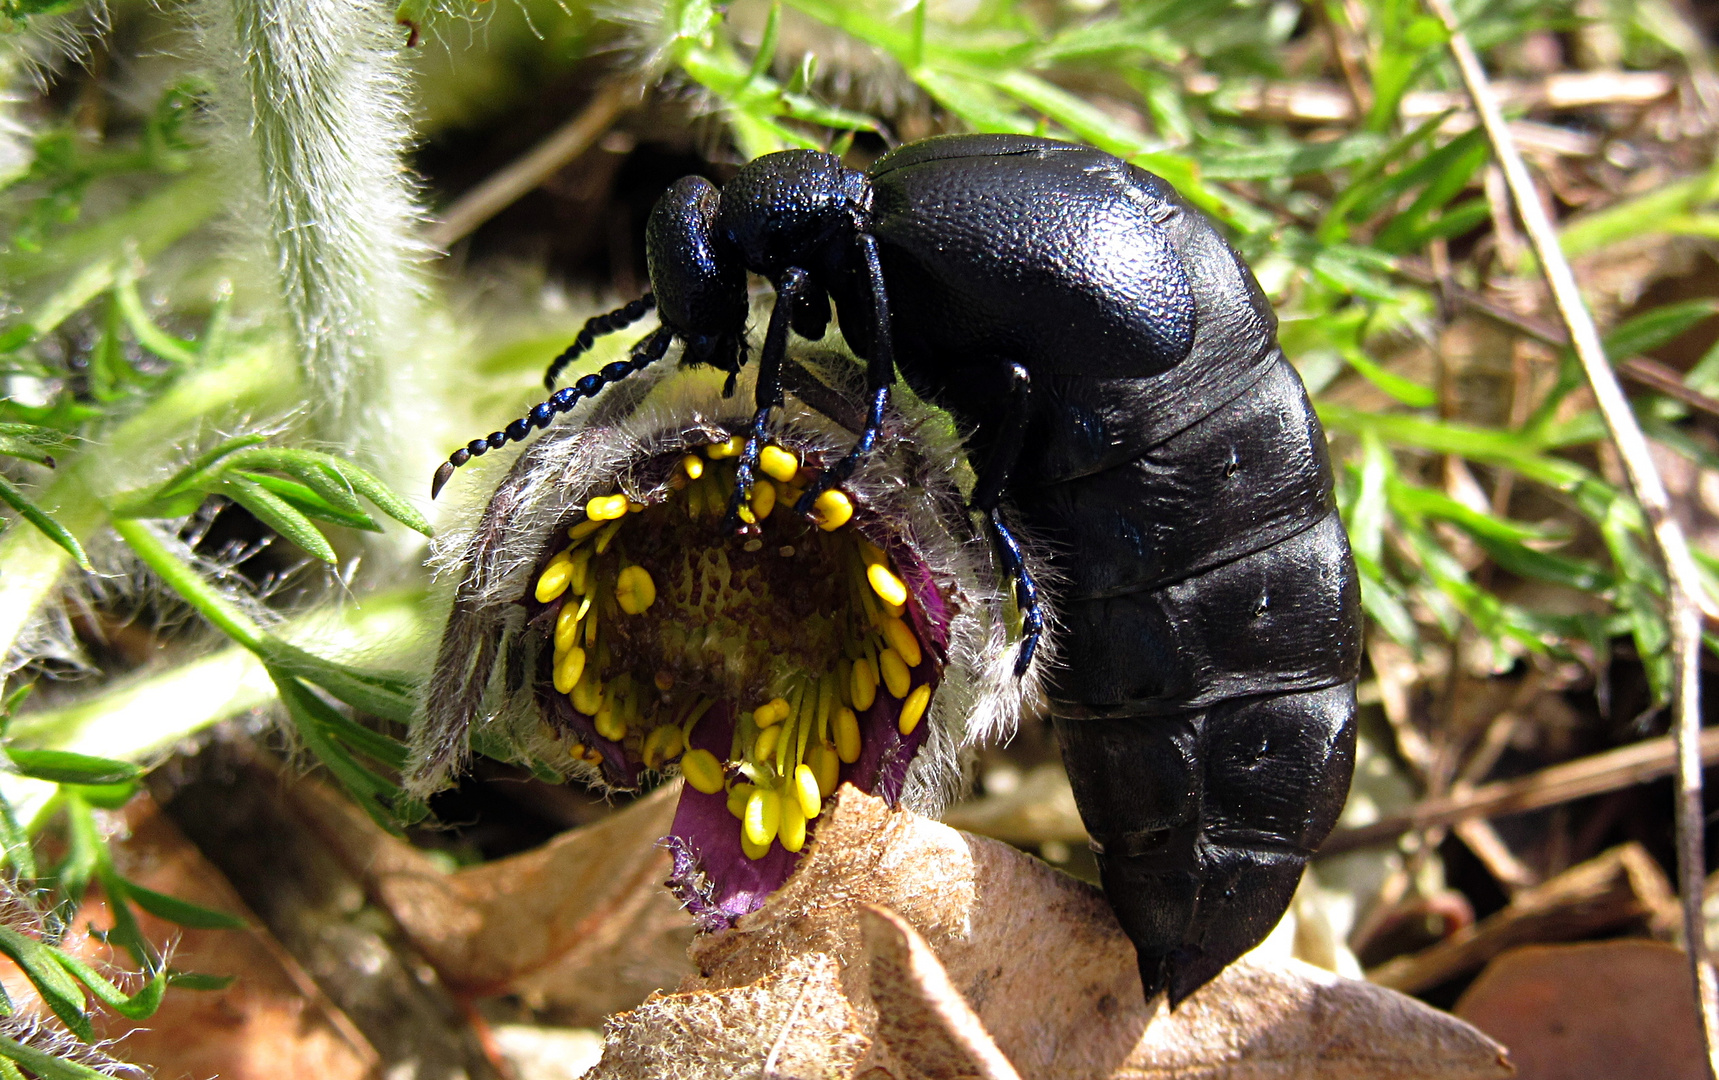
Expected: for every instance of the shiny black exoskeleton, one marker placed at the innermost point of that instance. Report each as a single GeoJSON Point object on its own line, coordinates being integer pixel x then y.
{"type": "Point", "coordinates": [1117, 365]}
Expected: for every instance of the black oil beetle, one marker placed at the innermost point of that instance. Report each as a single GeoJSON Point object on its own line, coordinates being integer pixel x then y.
{"type": "Point", "coordinates": [1118, 368]}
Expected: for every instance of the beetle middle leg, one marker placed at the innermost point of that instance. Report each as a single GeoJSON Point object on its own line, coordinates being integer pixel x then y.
{"type": "Point", "coordinates": [988, 493]}
{"type": "Point", "coordinates": [649, 349]}
{"type": "Point", "coordinates": [880, 375]}
{"type": "Point", "coordinates": [768, 395]}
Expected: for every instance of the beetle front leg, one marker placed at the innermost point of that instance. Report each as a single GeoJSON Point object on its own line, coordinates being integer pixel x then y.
{"type": "Point", "coordinates": [879, 374]}
{"type": "Point", "coordinates": [988, 493]}
{"type": "Point", "coordinates": [769, 391]}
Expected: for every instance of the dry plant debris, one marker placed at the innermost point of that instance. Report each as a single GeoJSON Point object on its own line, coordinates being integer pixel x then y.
{"type": "Point", "coordinates": [1622, 888]}
{"type": "Point", "coordinates": [272, 1021]}
{"type": "Point", "coordinates": [904, 948]}
{"type": "Point", "coordinates": [1633, 999]}
{"type": "Point", "coordinates": [581, 924]}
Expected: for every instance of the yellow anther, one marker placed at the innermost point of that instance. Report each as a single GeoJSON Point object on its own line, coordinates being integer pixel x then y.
{"type": "Point", "coordinates": [593, 755]}
{"type": "Point", "coordinates": [568, 669]}
{"type": "Point", "coordinates": [583, 529]}
{"type": "Point", "coordinates": [634, 590]}
{"type": "Point", "coordinates": [871, 553]}
{"type": "Point", "coordinates": [791, 830]}
{"type": "Point", "coordinates": [694, 466]}
{"type": "Point", "coordinates": [763, 816]}
{"type": "Point", "coordinates": [847, 736]}
{"type": "Point", "coordinates": [753, 851]}
{"type": "Point", "coordinates": [576, 751]}
{"type": "Point", "coordinates": [826, 766]}
{"type": "Point", "coordinates": [606, 508]}
{"type": "Point", "coordinates": [889, 588]}
{"type": "Point", "coordinates": [566, 627]}
{"type": "Point", "coordinates": [663, 680]}
{"type": "Point", "coordinates": [763, 499]}
{"type": "Point", "coordinates": [834, 509]}
{"type": "Point", "coordinates": [661, 745]}
{"type": "Point", "coordinates": [913, 709]}
{"type": "Point", "coordinates": [635, 507]}
{"type": "Point", "coordinates": [607, 536]}
{"type": "Point", "coordinates": [745, 514]}
{"type": "Point", "coordinates": [901, 639]}
{"type": "Point", "coordinates": [807, 790]}
{"type": "Point", "coordinates": [864, 685]}
{"type": "Point", "coordinates": [778, 464]}
{"type": "Point", "coordinates": [737, 796]}
{"type": "Point", "coordinates": [587, 696]}
{"type": "Point", "coordinates": [731, 448]}
{"type": "Point", "coordinates": [771, 712]}
{"type": "Point", "coordinates": [582, 574]}
{"type": "Point", "coordinates": [766, 744]}
{"type": "Point", "coordinates": [895, 675]}
{"type": "Point", "coordinates": [702, 771]}
{"type": "Point", "coordinates": [555, 579]}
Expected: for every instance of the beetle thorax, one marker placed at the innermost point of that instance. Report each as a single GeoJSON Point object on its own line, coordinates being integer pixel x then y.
{"type": "Point", "coordinates": [794, 208]}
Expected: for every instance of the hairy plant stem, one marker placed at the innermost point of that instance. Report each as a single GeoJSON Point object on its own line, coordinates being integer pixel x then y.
{"type": "Point", "coordinates": [1684, 598]}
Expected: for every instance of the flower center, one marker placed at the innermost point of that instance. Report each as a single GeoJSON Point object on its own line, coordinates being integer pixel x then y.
{"type": "Point", "coordinates": [768, 667]}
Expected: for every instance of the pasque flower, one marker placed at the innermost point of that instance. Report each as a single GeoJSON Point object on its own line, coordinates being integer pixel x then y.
{"type": "Point", "coordinates": [607, 624]}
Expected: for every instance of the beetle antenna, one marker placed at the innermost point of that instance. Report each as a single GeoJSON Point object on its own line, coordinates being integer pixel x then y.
{"type": "Point", "coordinates": [594, 328]}
{"type": "Point", "coordinates": [646, 352]}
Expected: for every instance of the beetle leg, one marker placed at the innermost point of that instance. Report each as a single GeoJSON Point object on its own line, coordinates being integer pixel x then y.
{"type": "Point", "coordinates": [879, 374]}
{"type": "Point", "coordinates": [769, 390]}
{"type": "Point", "coordinates": [594, 328]}
{"type": "Point", "coordinates": [988, 492]}
{"type": "Point", "coordinates": [648, 351]}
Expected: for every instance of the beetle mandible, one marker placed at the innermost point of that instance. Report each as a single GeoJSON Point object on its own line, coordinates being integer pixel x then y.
{"type": "Point", "coordinates": [1117, 366]}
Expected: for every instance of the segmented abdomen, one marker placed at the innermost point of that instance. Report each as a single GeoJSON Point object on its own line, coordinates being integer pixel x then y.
{"type": "Point", "coordinates": [1208, 643]}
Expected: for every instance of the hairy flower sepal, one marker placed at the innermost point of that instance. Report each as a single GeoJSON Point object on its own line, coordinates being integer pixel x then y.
{"type": "Point", "coordinates": [608, 624]}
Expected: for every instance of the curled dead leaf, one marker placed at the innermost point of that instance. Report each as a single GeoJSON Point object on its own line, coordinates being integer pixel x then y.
{"type": "Point", "coordinates": [1039, 963]}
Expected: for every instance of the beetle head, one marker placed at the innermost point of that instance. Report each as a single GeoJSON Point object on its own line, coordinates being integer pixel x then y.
{"type": "Point", "coordinates": [699, 280]}
{"type": "Point", "coordinates": [793, 208]}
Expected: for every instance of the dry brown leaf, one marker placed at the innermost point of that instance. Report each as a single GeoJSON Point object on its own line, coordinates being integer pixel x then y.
{"type": "Point", "coordinates": [1040, 960]}
{"type": "Point", "coordinates": [1597, 1009]}
{"type": "Point", "coordinates": [581, 924]}
{"type": "Point", "coordinates": [923, 1021]}
{"type": "Point", "coordinates": [273, 1021]}
{"type": "Point", "coordinates": [795, 1022]}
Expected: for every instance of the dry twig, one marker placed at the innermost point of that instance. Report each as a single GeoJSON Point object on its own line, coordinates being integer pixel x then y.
{"type": "Point", "coordinates": [1597, 774]}
{"type": "Point", "coordinates": [538, 164]}
{"type": "Point", "coordinates": [1683, 583]}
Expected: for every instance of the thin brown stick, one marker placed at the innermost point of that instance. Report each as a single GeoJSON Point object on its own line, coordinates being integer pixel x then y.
{"type": "Point", "coordinates": [538, 164]}
{"type": "Point", "coordinates": [1596, 774]}
{"type": "Point", "coordinates": [1640, 370]}
{"type": "Point", "coordinates": [1683, 592]}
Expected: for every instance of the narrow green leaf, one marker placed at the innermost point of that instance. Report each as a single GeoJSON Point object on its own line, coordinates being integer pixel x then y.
{"type": "Point", "coordinates": [193, 471]}
{"type": "Point", "coordinates": [50, 528]}
{"type": "Point", "coordinates": [66, 767]}
{"type": "Point", "coordinates": [42, 966]}
{"type": "Point", "coordinates": [1407, 391]}
{"type": "Point", "coordinates": [1651, 329]}
{"type": "Point", "coordinates": [182, 912]}
{"type": "Point", "coordinates": [150, 336]}
{"type": "Point", "coordinates": [138, 1006]}
{"type": "Point", "coordinates": [306, 501]}
{"type": "Point", "coordinates": [45, 1065]}
{"type": "Point", "coordinates": [381, 496]}
{"type": "Point", "coordinates": [1290, 159]}
{"type": "Point", "coordinates": [309, 716]}
{"type": "Point", "coordinates": [318, 471]}
{"type": "Point", "coordinates": [277, 514]}
{"type": "Point", "coordinates": [197, 980]}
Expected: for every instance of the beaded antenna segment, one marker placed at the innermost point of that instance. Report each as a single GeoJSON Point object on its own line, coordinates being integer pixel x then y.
{"type": "Point", "coordinates": [618, 618]}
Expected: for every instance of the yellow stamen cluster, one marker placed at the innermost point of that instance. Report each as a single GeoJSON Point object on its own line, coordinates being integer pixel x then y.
{"type": "Point", "coordinates": [645, 683]}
